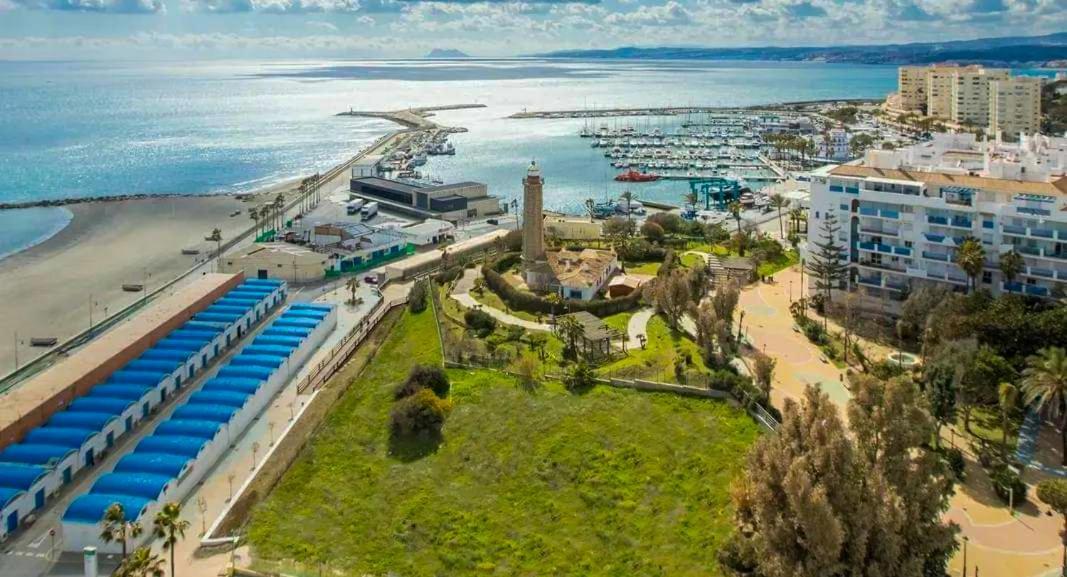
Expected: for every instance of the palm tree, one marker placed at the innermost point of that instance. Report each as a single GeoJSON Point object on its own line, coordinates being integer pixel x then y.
{"type": "Point", "coordinates": [1044, 385]}
{"type": "Point", "coordinates": [735, 210]}
{"type": "Point", "coordinates": [353, 285]}
{"type": "Point", "coordinates": [1011, 264]}
{"type": "Point", "coordinates": [571, 330]}
{"type": "Point", "coordinates": [279, 206]}
{"type": "Point", "coordinates": [117, 528]}
{"type": "Point", "coordinates": [590, 207]}
{"type": "Point", "coordinates": [253, 213]}
{"type": "Point", "coordinates": [1007, 396]}
{"type": "Point", "coordinates": [216, 236]}
{"type": "Point", "coordinates": [142, 563]}
{"type": "Point", "coordinates": [170, 527]}
{"type": "Point", "coordinates": [796, 215]}
{"type": "Point", "coordinates": [692, 198]}
{"type": "Point", "coordinates": [778, 201]}
{"type": "Point", "coordinates": [970, 256]}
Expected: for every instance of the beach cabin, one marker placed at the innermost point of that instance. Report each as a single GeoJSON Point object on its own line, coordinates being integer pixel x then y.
{"type": "Point", "coordinates": [12, 509]}
{"type": "Point", "coordinates": [32, 480]}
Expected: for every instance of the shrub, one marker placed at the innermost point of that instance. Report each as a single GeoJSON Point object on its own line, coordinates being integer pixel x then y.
{"type": "Point", "coordinates": [668, 222]}
{"type": "Point", "coordinates": [1008, 485]}
{"type": "Point", "coordinates": [417, 298]}
{"type": "Point", "coordinates": [422, 413]}
{"type": "Point", "coordinates": [580, 377]}
{"type": "Point", "coordinates": [480, 322]}
{"type": "Point", "coordinates": [652, 231]}
{"type": "Point", "coordinates": [449, 274]}
{"type": "Point", "coordinates": [955, 461]}
{"type": "Point", "coordinates": [424, 377]}
{"type": "Point", "coordinates": [638, 249]}
{"type": "Point", "coordinates": [815, 333]}
{"type": "Point", "coordinates": [504, 263]}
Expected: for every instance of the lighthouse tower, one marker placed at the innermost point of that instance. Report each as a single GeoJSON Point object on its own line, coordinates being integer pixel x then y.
{"type": "Point", "coordinates": [535, 267]}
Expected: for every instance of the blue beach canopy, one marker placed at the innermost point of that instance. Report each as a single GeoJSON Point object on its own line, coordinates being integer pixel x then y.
{"type": "Point", "coordinates": [246, 372]}
{"type": "Point", "coordinates": [7, 496]}
{"type": "Point", "coordinates": [110, 406]}
{"type": "Point", "coordinates": [269, 361]}
{"type": "Point", "coordinates": [232, 384]}
{"type": "Point", "coordinates": [119, 391]}
{"type": "Point", "coordinates": [171, 445]}
{"type": "Point", "coordinates": [145, 485]}
{"type": "Point", "coordinates": [35, 454]}
{"type": "Point", "coordinates": [90, 507]}
{"type": "Point", "coordinates": [69, 437]}
{"type": "Point", "coordinates": [95, 421]}
{"type": "Point", "coordinates": [20, 477]}
{"type": "Point", "coordinates": [155, 463]}
{"type": "Point", "coordinates": [205, 413]}
{"type": "Point", "coordinates": [188, 428]}
{"type": "Point", "coordinates": [222, 398]}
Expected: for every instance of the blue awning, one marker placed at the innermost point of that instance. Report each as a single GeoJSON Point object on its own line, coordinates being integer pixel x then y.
{"type": "Point", "coordinates": [8, 496]}
{"type": "Point", "coordinates": [188, 428]}
{"type": "Point", "coordinates": [69, 437]}
{"type": "Point", "coordinates": [110, 406]}
{"type": "Point", "coordinates": [171, 445]}
{"type": "Point", "coordinates": [21, 477]}
{"type": "Point", "coordinates": [35, 454]}
{"type": "Point", "coordinates": [117, 391]}
{"type": "Point", "coordinates": [90, 507]}
{"type": "Point", "coordinates": [249, 360]}
{"type": "Point", "coordinates": [144, 485]}
{"type": "Point", "coordinates": [205, 413]}
{"type": "Point", "coordinates": [246, 372]}
{"type": "Point", "coordinates": [224, 398]}
{"type": "Point", "coordinates": [95, 421]}
{"type": "Point", "coordinates": [155, 463]}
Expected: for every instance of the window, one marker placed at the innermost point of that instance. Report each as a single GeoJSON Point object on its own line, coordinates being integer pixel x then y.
{"type": "Point", "coordinates": [987, 277]}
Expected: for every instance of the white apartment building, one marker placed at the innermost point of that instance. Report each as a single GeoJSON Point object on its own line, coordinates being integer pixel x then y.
{"type": "Point", "coordinates": [911, 85]}
{"type": "Point", "coordinates": [904, 213]}
{"type": "Point", "coordinates": [833, 145]}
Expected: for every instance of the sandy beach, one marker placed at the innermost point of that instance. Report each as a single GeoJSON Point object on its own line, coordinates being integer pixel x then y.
{"type": "Point", "coordinates": [47, 290]}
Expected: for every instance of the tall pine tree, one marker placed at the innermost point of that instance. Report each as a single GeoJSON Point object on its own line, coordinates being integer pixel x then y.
{"type": "Point", "coordinates": [828, 264]}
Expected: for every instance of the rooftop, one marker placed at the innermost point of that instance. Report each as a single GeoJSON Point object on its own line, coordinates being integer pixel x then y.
{"type": "Point", "coordinates": [585, 268]}
{"type": "Point", "coordinates": [1056, 186]}
{"type": "Point", "coordinates": [128, 338]}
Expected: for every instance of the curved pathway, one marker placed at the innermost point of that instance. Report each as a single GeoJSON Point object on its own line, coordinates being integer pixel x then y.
{"type": "Point", "coordinates": [638, 327]}
{"type": "Point", "coordinates": [461, 294]}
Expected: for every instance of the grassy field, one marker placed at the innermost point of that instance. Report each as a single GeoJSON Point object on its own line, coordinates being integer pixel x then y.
{"type": "Point", "coordinates": [656, 360]}
{"type": "Point", "coordinates": [543, 482]}
{"type": "Point", "coordinates": [788, 259]}
{"type": "Point", "coordinates": [649, 268]}
{"type": "Point", "coordinates": [492, 300]}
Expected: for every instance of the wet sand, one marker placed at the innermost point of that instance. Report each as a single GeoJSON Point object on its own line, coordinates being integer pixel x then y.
{"type": "Point", "coordinates": [47, 290]}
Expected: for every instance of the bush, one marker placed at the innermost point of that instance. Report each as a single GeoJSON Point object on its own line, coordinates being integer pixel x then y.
{"type": "Point", "coordinates": [955, 461]}
{"type": "Point", "coordinates": [480, 322]}
{"type": "Point", "coordinates": [504, 263]}
{"type": "Point", "coordinates": [638, 249]}
{"type": "Point", "coordinates": [668, 222]}
{"type": "Point", "coordinates": [422, 413]}
{"type": "Point", "coordinates": [815, 333]}
{"type": "Point", "coordinates": [1008, 485]}
{"type": "Point", "coordinates": [652, 231]}
{"type": "Point", "coordinates": [447, 275]}
{"type": "Point", "coordinates": [417, 298]}
{"type": "Point", "coordinates": [424, 377]}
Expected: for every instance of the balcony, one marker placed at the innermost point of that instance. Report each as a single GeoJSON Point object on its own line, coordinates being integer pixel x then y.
{"type": "Point", "coordinates": [879, 232]}
{"type": "Point", "coordinates": [937, 220]}
{"type": "Point", "coordinates": [1042, 232]}
{"type": "Point", "coordinates": [1035, 290]}
{"type": "Point", "coordinates": [868, 211]}
{"type": "Point", "coordinates": [988, 224]}
{"type": "Point", "coordinates": [836, 188]}
{"type": "Point", "coordinates": [867, 246]}
{"type": "Point", "coordinates": [935, 238]}
{"type": "Point", "coordinates": [892, 214]}
{"type": "Point", "coordinates": [961, 222]}
{"type": "Point", "coordinates": [935, 256]}
{"type": "Point", "coordinates": [896, 285]}
{"type": "Point", "coordinates": [1042, 272]}
{"type": "Point", "coordinates": [902, 250]}
{"type": "Point", "coordinates": [1030, 250]}
{"type": "Point", "coordinates": [1015, 230]}
{"type": "Point", "coordinates": [852, 190]}
{"type": "Point", "coordinates": [874, 281]}
{"type": "Point", "coordinates": [1033, 211]}
{"type": "Point", "coordinates": [1013, 287]}
{"type": "Point", "coordinates": [879, 266]}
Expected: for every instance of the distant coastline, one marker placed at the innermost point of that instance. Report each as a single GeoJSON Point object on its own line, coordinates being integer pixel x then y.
{"type": "Point", "coordinates": [1026, 51]}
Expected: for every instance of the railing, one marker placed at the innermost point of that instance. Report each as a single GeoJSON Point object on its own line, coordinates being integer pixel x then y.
{"type": "Point", "coordinates": [1043, 272]}
{"type": "Point", "coordinates": [987, 224]}
{"type": "Point", "coordinates": [902, 250]}
{"type": "Point", "coordinates": [852, 190]}
{"type": "Point", "coordinates": [1030, 250]}
{"type": "Point", "coordinates": [1043, 232]}
{"type": "Point", "coordinates": [935, 256]}
{"type": "Point", "coordinates": [870, 281]}
{"type": "Point", "coordinates": [937, 220]}
{"type": "Point", "coordinates": [962, 222]}
{"type": "Point", "coordinates": [1013, 229]}
{"type": "Point", "coordinates": [938, 238]}
{"type": "Point", "coordinates": [1033, 211]}
{"type": "Point", "coordinates": [1036, 290]}
{"type": "Point", "coordinates": [867, 245]}
{"type": "Point", "coordinates": [868, 211]}
{"type": "Point", "coordinates": [882, 232]}
{"type": "Point", "coordinates": [885, 213]}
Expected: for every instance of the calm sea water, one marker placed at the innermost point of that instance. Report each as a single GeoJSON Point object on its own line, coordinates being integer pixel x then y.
{"type": "Point", "coordinates": [78, 130]}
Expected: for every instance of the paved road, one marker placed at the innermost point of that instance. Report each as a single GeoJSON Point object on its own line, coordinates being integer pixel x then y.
{"type": "Point", "coordinates": [461, 294]}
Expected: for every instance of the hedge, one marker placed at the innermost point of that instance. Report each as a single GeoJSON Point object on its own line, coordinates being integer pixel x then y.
{"type": "Point", "coordinates": [531, 303]}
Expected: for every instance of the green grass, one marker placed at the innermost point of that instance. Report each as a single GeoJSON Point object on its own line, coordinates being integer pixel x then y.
{"type": "Point", "coordinates": [715, 249]}
{"type": "Point", "coordinates": [692, 260]}
{"type": "Point", "coordinates": [649, 268]}
{"type": "Point", "coordinates": [491, 299]}
{"type": "Point", "coordinates": [610, 482]}
{"type": "Point", "coordinates": [788, 259]}
{"type": "Point", "coordinates": [619, 321]}
{"type": "Point", "coordinates": [656, 360]}
{"type": "Point", "coordinates": [986, 424]}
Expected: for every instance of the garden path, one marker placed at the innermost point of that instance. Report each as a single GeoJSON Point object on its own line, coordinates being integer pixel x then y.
{"type": "Point", "coordinates": [461, 294]}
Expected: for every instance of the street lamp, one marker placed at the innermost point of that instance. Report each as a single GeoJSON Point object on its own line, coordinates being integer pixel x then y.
{"type": "Point", "coordinates": [965, 541]}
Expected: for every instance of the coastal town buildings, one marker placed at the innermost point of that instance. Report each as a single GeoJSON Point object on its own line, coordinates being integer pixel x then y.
{"type": "Point", "coordinates": [581, 275]}
{"type": "Point", "coordinates": [972, 97]}
{"type": "Point", "coordinates": [903, 215]}
{"type": "Point", "coordinates": [833, 145]}
{"type": "Point", "coordinates": [277, 260]}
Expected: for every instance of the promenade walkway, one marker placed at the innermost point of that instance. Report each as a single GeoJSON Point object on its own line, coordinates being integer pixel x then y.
{"type": "Point", "coordinates": [461, 294]}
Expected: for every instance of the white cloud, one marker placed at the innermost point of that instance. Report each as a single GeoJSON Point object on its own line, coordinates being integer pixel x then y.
{"type": "Point", "coordinates": [109, 6]}
{"type": "Point", "coordinates": [320, 25]}
{"type": "Point", "coordinates": [271, 6]}
{"type": "Point", "coordinates": [366, 20]}
{"type": "Point", "coordinates": [670, 14]}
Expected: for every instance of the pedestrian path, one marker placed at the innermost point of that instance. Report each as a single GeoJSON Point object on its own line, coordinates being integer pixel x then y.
{"type": "Point", "coordinates": [1027, 446]}
{"type": "Point", "coordinates": [461, 294]}
{"type": "Point", "coordinates": [638, 327]}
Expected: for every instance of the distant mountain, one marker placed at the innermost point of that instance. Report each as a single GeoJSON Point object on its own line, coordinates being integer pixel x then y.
{"type": "Point", "coordinates": [447, 53]}
{"type": "Point", "coordinates": [1034, 50]}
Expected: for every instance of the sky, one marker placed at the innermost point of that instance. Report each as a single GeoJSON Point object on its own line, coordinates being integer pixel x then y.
{"type": "Point", "coordinates": [212, 29]}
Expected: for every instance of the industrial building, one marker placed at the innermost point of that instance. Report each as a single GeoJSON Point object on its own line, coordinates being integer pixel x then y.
{"type": "Point", "coordinates": [354, 246]}
{"type": "Point", "coordinates": [167, 465]}
{"type": "Point", "coordinates": [903, 214]}
{"type": "Point", "coordinates": [456, 202]}
{"type": "Point", "coordinates": [124, 388]}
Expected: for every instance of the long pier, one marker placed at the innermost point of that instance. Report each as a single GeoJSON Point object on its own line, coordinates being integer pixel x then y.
{"type": "Point", "coordinates": [679, 110]}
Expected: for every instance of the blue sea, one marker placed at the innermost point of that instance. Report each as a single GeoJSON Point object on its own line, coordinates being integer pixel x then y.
{"type": "Point", "coordinates": [73, 130]}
